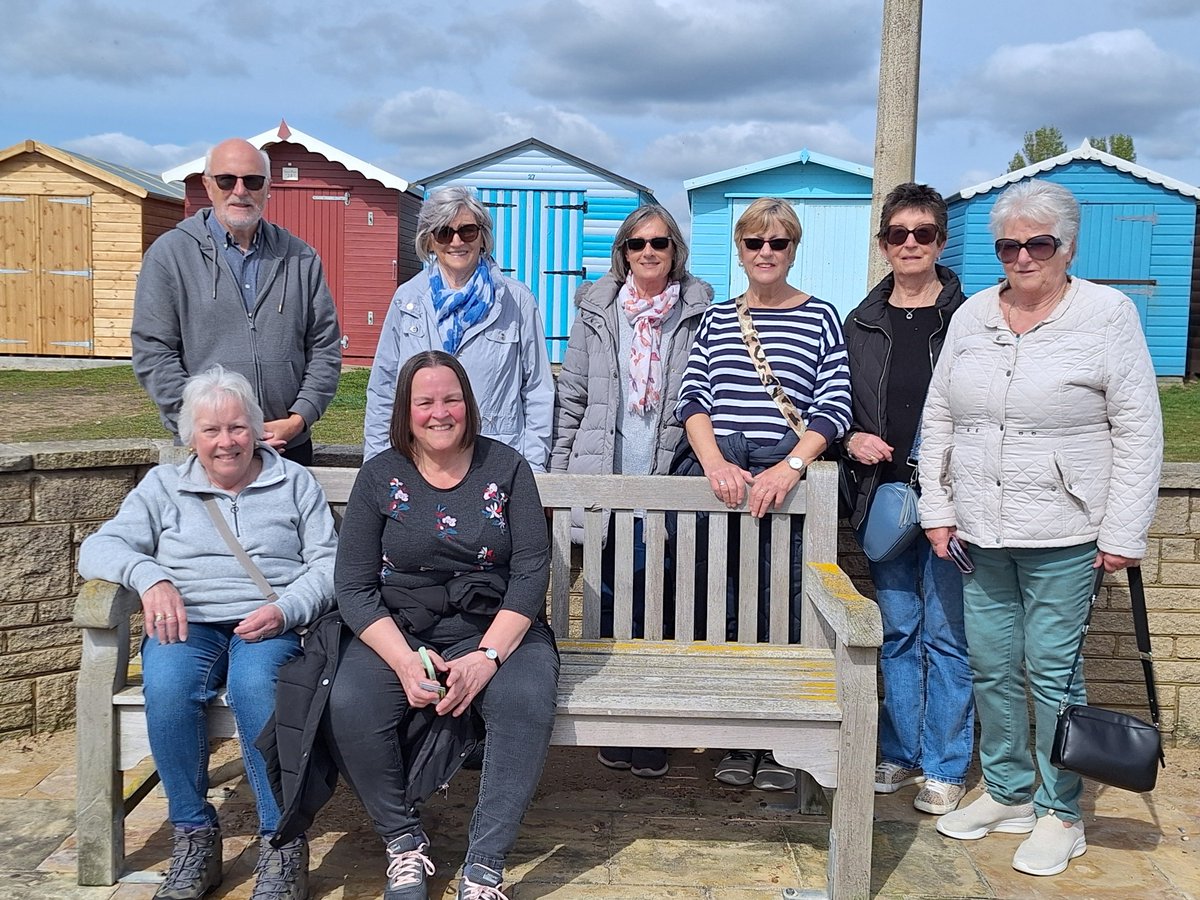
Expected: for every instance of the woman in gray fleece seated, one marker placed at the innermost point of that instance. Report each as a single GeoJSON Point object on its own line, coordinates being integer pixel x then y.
{"type": "Point", "coordinates": [208, 624]}
{"type": "Point", "coordinates": [441, 576]}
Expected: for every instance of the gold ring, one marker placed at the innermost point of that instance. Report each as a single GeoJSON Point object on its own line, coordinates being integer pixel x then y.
{"type": "Point", "coordinates": [159, 617]}
{"type": "Point", "coordinates": [171, 618]}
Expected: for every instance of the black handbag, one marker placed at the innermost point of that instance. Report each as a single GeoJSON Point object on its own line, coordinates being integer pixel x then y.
{"type": "Point", "coordinates": [1111, 747]}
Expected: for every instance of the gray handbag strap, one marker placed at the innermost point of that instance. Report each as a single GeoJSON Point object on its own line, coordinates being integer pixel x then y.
{"type": "Point", "coordinates": [243, 557]}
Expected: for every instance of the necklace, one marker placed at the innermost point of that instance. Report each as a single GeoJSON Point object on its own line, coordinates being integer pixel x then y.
{"type": "Point", "coordinates": [926, 294]}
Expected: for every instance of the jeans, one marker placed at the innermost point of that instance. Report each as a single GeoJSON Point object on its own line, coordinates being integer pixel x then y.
{"type": "Point", "coordinates": [927, 720]}
{"type": "Point", "coordinates": [1024, 613]}
{"type": "Point", "coordinates": [179, 681]}
{"type": "Point", "coordinates": [367, 706]}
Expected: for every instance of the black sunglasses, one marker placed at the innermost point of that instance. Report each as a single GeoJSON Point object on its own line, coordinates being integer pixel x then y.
{"type": "Point", "coordinates": [466, 234]}
{"type": "Point", "coordinates": [896, 235]}
{"type": "Point", "coordinates": [776, 244]}
{"type": "Point", "coordinates": [636, 244]}
{"type": "Point", "coordinates": [1042, 246]}
{"type": "Point", "coordinates": [252, 182]}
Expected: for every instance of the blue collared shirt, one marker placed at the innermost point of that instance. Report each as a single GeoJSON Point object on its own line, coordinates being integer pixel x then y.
{"type": "Point", "coordinates": [244, 265]}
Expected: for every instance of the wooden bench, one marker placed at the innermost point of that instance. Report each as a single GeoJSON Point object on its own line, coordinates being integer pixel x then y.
{"type": "Point", "coordinates": [814, 704]}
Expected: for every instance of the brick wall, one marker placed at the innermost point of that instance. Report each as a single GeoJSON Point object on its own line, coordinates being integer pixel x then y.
{"type": "Point", "coordinates": [53, 495]}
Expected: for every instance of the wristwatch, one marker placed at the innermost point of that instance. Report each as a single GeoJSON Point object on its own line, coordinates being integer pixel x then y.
{"type": "Point", "coordinates": [491, 653]}
{"type": "Point", "coordinates": [797, 463]}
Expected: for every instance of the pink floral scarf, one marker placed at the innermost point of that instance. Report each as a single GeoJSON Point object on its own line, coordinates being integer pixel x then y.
{"type": "Point", "coordinates": [646, 315]}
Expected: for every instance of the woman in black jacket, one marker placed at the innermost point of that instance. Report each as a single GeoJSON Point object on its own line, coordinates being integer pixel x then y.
{"type": "Point", "coordinates": [893, 339]}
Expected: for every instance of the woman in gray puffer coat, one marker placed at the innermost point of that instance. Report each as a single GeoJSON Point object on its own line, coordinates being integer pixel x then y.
{"type": "Point", "coordinates": [617, 391]}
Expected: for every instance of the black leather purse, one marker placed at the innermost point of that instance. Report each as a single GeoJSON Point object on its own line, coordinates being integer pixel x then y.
{"type": "Point", "coordinates": [1111, 747]}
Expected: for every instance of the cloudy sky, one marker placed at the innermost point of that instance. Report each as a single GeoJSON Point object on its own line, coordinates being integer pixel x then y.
{"type": "Point", "coordinates": [656, 90]}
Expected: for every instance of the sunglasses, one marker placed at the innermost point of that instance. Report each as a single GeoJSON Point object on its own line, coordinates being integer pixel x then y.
{"type": "Point", "coordinates": [958, 555]}
{"type": "Point", "coordinates": [466, 234]}
{"type": "Point", "coordinates": [636, 244]}
{"type": "Point", "coordinates": [776, 244]}
{"type": "Point", "coordinates": [252, 182]}
{"type": "Point", "coordinates": [1042, 246]}
{"type": "Point", "coordinates": [896, 235]}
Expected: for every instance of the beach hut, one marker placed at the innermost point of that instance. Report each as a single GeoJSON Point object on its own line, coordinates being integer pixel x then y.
{"type": "Point", "coordinates": [555, 217]}
{"type": "Point", "coordinates": [832, 197]}
{"type": "Point", "coordinates": [72, 233]}
{"type": "Point", "coordinates": [1137, 233]}
{"type": "Point", "coordinates": [360, 219]}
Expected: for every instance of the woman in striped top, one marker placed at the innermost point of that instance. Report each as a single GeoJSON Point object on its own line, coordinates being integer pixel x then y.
{"type": "Point", "coordinates": [740, 439]}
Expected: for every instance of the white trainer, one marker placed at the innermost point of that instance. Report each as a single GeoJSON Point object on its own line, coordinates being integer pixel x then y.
{"type": "Point", "coordinates": [1052, 845]}
{"type": "Point", "coordinates": [984, 816]}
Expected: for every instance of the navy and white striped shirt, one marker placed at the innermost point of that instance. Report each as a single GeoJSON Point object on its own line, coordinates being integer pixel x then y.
{"type": "Point", "coordinates": [807, 352]}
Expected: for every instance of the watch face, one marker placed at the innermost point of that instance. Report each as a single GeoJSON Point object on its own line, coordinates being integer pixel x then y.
{"type": "Point", "coordinates": [796, 462]}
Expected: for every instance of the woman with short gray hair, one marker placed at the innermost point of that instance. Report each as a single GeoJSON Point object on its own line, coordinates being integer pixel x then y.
{"type": "Point", "coordinates": [463, 304]}
{"type": "Point", "coordinates": [209, 624]}
{"type": "Point", "coordinates": [1042, 445]}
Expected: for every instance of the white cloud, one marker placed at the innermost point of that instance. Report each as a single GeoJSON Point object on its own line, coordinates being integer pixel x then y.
{"type": "Point", "coordinates": [134, 152]}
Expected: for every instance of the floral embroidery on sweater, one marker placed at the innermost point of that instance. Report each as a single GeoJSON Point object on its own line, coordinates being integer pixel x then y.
{"type": "Point", "coordinates": [445, 522]}
{"type": "Point", "coordinates": [494, 500]}
{"type": "Point", "coordinates": [399, 497]}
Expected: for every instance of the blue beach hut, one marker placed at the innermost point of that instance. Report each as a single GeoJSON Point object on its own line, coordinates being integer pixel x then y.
{"type": "Point", "coordinates": [555, 217]}
{"type": "Point", "coordinates": [1137, 233]}
{"type": "Point", "coordinates": [832, 197]}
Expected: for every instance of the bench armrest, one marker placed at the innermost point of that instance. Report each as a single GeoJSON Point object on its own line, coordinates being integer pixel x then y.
{"type": "Point", "coordinates": [851, 616]}
{"type": "Point", "coordinates": [104, 605]}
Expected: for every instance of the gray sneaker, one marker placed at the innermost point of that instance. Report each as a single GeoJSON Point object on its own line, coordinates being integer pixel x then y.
{"type": "Point", "coordinates": [771, 776]}
{"type": "Point", "coordinates": [737, 768]}
{"type": "Point", "coordinates": [409, 867]}
{"type": "Point", "coordinates": [478, 882]}
{"type": "Point", "coordinates": [891, 776]}
{"type": "Point", "coordinates": [195, 864]}
{"type": "Point", "coordinates": [281, 874]}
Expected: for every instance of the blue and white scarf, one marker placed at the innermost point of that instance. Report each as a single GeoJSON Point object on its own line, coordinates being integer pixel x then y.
{"type": "Point", "coordinates": [459, 308]}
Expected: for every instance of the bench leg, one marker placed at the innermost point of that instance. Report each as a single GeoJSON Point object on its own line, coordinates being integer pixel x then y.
{"type": "Point", "coordinates": [854, 799]}
{"type": "Point", "coordinates": [809, 794]}
{"type": "Point", "coordinates": [99, 805]}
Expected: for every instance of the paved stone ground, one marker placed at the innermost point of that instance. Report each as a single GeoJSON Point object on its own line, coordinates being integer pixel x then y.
{"type": "Point", "coordinates": [596, 835]}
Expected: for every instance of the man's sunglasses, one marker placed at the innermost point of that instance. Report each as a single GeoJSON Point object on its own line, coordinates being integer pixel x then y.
{"type": "Point", "coordinates": [897, 235]}
{"type": "Point", "coordinates": [466, 234]}
{"type": "Point", "coordinates": [635, 245]}
{"type": "Point", "coordinates": [252, 182]}
{"type": "Point", "coordinates": [1041, 247]}
{"type": "Point", "coordinates": [776, 244]}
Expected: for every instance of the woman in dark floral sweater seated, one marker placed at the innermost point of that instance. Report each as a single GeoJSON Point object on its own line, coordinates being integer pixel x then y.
{"type": "Point", "coordinates": [444, 555]}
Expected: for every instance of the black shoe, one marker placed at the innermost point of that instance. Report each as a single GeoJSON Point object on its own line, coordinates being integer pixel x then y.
{"type": "Point", "coordinates": [409, 866]}
{"type": "Point", "coordinates": [650, 762]}
{"type": "Point", "coordinates": [478, 882]}
{"type": "Point", "coordinates": [474, 762]}
{"type": "Point", "coordinates": [281, 874]}
{"type": "Point", "coordinates": [615, 757]}
{"type": "Point", "coordinates": [195, 864]}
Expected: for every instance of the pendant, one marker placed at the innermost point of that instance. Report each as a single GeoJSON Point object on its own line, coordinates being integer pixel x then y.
{"type": "Point", "coordinates": [908, 313]}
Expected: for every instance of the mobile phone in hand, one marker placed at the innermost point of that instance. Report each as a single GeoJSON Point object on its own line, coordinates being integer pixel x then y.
{"type": "Point", "coordinates": [959, 556]}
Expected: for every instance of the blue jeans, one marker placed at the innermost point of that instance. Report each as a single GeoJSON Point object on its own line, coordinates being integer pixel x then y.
{"type": "Point", "coordinates": [179, 681]}
{"type": "Point", "coordinates": [1025, 609]}
{"type": "Point", "coordinates": [927, 720]}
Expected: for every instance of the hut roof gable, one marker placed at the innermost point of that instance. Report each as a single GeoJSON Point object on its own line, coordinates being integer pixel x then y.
{"type": "Point", "coordinates": [292, 135]}
{"type": "Point", "coordinates": [516, 149]}
{"type": "Point", "coordinates": [1085, 151]}
{"type": "Point", "coordinates": [804, 157]}
{"type": "Point", "coordinates": [132, 181]}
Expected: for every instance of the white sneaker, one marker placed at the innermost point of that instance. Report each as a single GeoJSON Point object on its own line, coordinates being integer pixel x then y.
{"type": "Point", "coordinates": [1052, 845]}
{"type": "Point", "coordinates": [984, 816]}
{"type": "Point", "coordinates": [890, 777]}
{"type": "Point", "coordinates": [938, 797]}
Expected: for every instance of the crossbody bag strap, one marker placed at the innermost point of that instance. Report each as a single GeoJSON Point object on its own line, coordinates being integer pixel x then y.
{"type": "Point", "coordinates": [758, 357]}
{"type": "Point", "coordinates": [1141, 631]}
{"type": "Point", "coordinates": [239, 551]}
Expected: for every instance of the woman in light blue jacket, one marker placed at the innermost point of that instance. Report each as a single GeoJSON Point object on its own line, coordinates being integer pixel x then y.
{"type": "Point", "coordinates": [462, 303]}
{"type": "Point", "coordinates": [208, 624]}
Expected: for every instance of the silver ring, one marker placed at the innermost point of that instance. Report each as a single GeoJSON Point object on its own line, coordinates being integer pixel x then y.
{"type": "Point", "coordinates": [721, 483]}
{"type": "Point", "coordinates": [159, 617]}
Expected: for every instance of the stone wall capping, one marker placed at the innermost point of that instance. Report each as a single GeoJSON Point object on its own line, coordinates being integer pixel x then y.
{"type": "Point", "coordinates": [93, 454]}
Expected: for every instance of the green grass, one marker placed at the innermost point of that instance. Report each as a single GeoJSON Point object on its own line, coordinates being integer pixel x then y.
{"type": "Point", "coordinates": [89, 404]}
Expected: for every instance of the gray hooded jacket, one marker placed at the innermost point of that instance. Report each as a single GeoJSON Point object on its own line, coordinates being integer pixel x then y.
{"type": "Point", "coordinates": [188, 316]}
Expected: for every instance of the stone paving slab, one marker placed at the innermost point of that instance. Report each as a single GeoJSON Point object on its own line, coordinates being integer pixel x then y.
{"type": "Point", "coordinates": [593, 834]}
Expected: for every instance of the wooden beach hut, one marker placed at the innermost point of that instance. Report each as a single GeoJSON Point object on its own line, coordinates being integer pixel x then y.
{"type": "Point", "coordinates": [555, 217]}
{"type": "Point", "coordinates": [72, 233]}
{"type": "Point", "coordinates": [1137, 233]}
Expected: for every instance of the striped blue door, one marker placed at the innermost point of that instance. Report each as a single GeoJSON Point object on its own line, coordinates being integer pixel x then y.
{"type": "Point", "coordinates": [1114, 248]}
{"type": "Point", "coordinates": [539, 241]}
{"type": "Point", "coordinates": [832, 260]}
